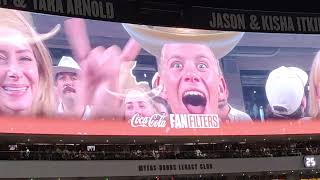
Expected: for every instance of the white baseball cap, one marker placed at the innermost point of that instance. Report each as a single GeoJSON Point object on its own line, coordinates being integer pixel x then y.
{"type": "Point", "coordinates": [285, 88]}
{"type": "Point", "coordinates": [66, 64]}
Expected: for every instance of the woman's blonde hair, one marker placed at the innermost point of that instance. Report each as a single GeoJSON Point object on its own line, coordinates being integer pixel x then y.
{"type": "Point", "coordinates": [140, 88]}
{"type": "Point", "coordinates": [314, 84]}
{"type": "Point", "coordinates": [43, 103]}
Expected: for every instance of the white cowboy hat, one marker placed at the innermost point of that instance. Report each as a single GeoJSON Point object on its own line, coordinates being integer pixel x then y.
{"type": "Point", "coordinates": [23, 20]}
{"type": "Point", "coordinates": [152, 38]}
{"type": "Point", "coordinates": [66, 64]}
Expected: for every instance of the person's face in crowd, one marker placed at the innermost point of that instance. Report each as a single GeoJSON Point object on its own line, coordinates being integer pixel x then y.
{"type": "Point", "coordinates": [19, 75]}
{"type": "Point", "coordinates": [68, 85]}
{"type": "Point", "coordinates": [135, 102]}
{"type": "Point", "coordinates": [190, 76]}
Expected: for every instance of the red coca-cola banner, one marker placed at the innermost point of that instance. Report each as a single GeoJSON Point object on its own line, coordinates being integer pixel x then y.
{"type": "Point", "coordinates": [123, 128]}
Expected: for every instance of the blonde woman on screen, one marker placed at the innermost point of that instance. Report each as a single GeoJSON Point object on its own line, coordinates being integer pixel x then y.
{"type": "Point", "coordinates": [138, 100]}
{"type": "Point", "coordinates": [315, 88]}
{"type": "Point", "coordinates": [25, 67]}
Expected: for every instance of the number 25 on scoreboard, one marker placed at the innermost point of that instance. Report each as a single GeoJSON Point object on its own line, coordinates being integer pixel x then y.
{"type": "Point", "coordinates": [309, 161]}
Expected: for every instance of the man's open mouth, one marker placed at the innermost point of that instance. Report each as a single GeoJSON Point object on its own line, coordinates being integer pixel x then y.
{"type": "Point", "coordinates": [195, 101]}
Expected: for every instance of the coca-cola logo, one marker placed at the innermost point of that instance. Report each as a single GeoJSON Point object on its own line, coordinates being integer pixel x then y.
{"type": "Point", "coordinates": [155, 121]}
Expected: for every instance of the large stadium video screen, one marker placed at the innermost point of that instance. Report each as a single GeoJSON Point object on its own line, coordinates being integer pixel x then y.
{"type": "Point", "coordinates": [63, 75]}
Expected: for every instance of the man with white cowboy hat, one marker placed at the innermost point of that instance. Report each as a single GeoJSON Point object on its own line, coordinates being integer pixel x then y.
{"type": "Point", "coordinates": [188, 64]}
{"type": "Point", "coordinates": [69, 89]}
{"type": "Point", "coordinates": [285, 90]}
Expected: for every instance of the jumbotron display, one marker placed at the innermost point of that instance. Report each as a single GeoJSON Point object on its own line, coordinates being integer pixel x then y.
{"type": "Point", "coordinates": [64, 75]}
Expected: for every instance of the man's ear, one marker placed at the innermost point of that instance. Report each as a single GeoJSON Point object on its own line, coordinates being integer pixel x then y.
{"type": "Point", "coordinates": [223, 89]}
{"type": "Point", "coordinates": [163, 92]}
{"type": "Point", "coordinates": [155, 80]}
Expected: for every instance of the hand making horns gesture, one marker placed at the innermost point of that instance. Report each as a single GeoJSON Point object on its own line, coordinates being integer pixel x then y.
{"type": "Point", "coordinates": [100, 67]}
